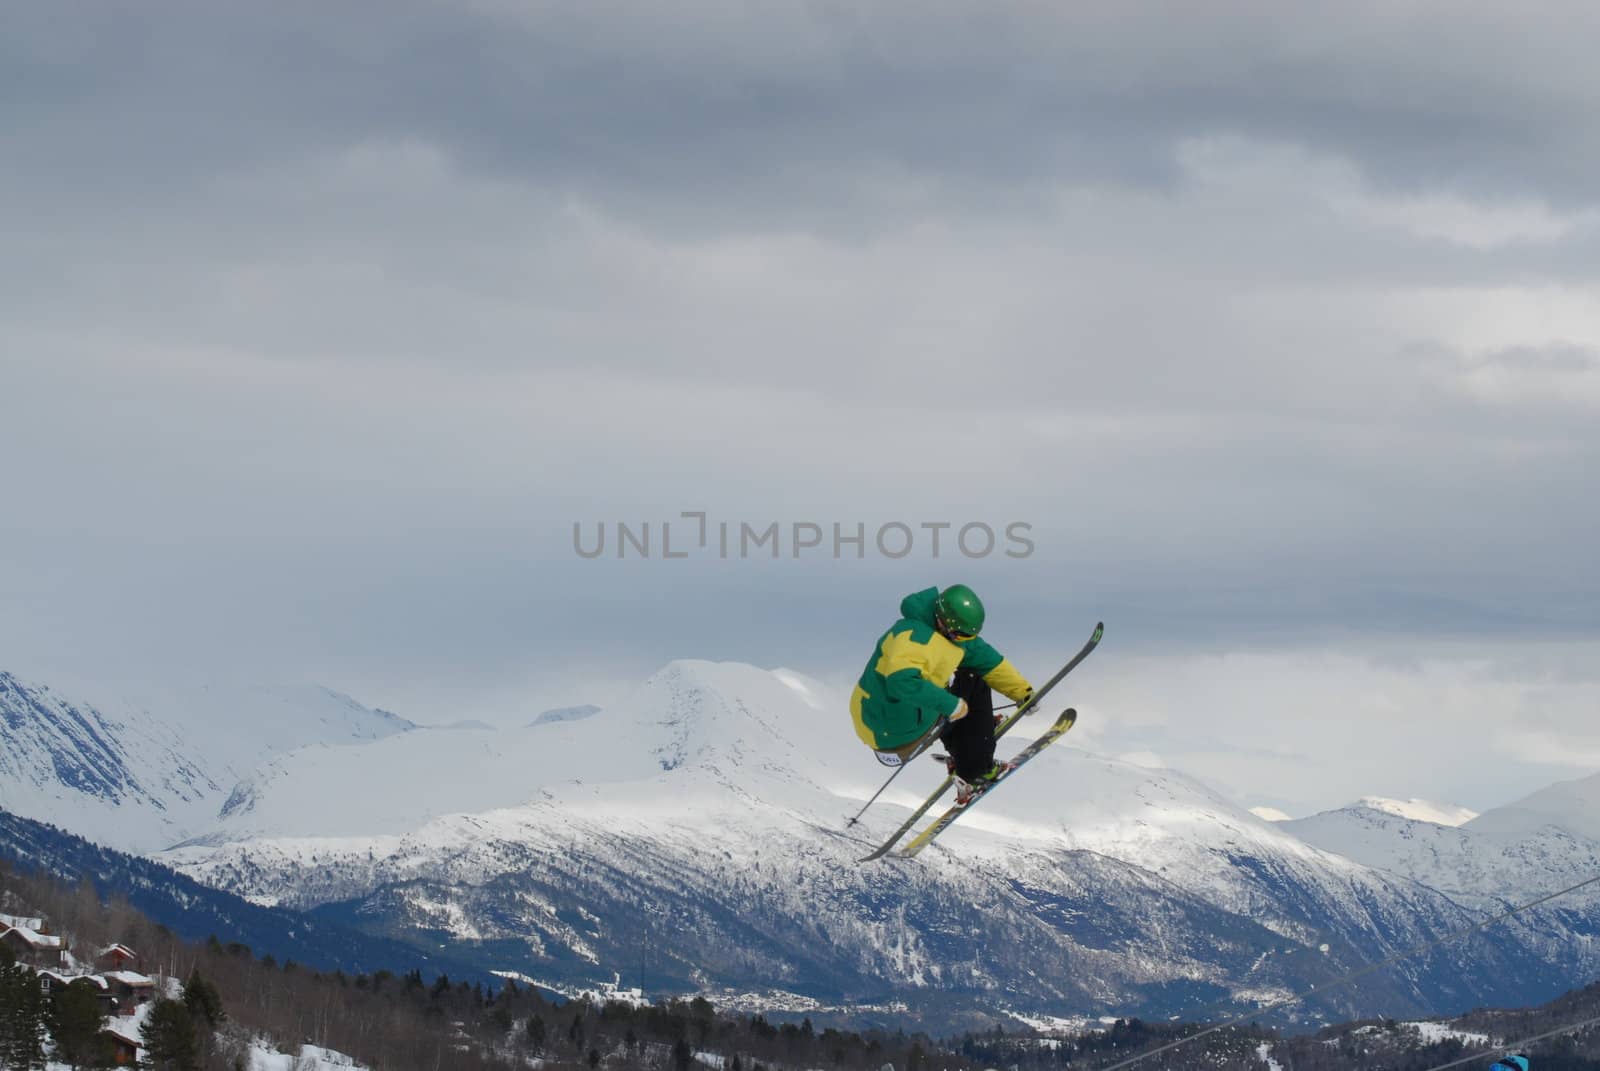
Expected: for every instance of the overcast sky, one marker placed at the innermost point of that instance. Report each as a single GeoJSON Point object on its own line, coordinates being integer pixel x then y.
{"type": "Point", "coordinates": [321, 327]}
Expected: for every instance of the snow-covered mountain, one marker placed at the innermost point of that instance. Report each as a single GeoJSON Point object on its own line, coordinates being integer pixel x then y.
{"type": "Point", "coordinates": [1573, 806]}
{"type": "Point", "coordinates": [68, 763]}
{"type": "Point", "coordinates": [1544, 841]}
{"type": "Point", "coordinates": [700, 825]}
{"type": "Point", "coordinates": [697, 830]}
{"type": "Point", "coordinates": [1473, 865]}
{"type": "Point", "coordinates": [140, 772]}
{"type": "Point", "coordinates": [1506, 857]}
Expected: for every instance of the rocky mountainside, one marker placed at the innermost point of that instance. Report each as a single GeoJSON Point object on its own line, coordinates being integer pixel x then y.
{"type": "Point", "coordinates": [141, 773]}
{"type": "Point", "coordinates": [694, 835]}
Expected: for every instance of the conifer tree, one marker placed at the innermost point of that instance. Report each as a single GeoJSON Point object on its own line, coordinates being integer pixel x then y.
{"type": "Point", "coordinates": [169, 1036]}
{"type": "Point", "coordinates": [22, 1019]}
{"type": "Point", "coordinates": [74, 1020]}
{"type": "Point", "coordinates": [203, 1000]}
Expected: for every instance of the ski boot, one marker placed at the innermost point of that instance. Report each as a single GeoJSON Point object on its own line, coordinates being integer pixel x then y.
{"type": "Point", "coordinates": [964, 791]}
{"type": "Point", "coordinates": [967, 791]}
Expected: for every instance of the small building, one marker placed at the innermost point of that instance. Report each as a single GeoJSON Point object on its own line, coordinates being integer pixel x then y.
{"type": "Point", "coordinates": [34, 948]}
{"type": "Point", "coordinates": [54, 981]}
{"type": "Point", "coordinates": [117, 958]}
{"type": "Point", "coordinates": [124, 1046]}
{"type": "Point", "coordinates": [130, 991]}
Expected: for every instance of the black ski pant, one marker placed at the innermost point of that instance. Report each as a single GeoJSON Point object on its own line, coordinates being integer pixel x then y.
{"type": "Point", "coordinates": [970, 741]}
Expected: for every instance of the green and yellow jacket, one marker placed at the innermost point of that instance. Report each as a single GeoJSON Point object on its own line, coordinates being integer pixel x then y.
{"type": "Point", "coordinates": [902, 691]}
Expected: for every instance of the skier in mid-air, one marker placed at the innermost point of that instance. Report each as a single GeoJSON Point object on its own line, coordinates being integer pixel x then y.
{"type": "Point", "coordinates": [931, 665]}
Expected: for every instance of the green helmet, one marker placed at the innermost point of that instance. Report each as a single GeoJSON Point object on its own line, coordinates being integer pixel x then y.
{"type": "Point", "coordinates": [958, 613]}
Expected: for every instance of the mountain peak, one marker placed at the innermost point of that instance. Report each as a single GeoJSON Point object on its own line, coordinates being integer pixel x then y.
{"type": "Point", "coordinates": [1441, 814]}
{"type": "Point", "coordinates": [697, 710]}
{"type": "Point", "coordinates": [1570, 805]}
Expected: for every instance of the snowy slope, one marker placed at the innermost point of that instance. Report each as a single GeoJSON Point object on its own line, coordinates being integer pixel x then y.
{"type": "Point", "coordinates": [709, 720]}
{"type": "Point", "coordinates": [235, 727]}
{"type": "Point", "coordinates": [1472, 865]}
{"type": "Point", "coordinates": [1573, 806]}
{"type": "Point", "coordinates": [111, 779]}
{"type": "Point", "coordinates": [141, 772]}
{"type": "Point", "coordinates": [1491, 864]}
{"type": "Point", "coordinates": [1436, 855]}
{"type": "Point", "coordinates": [703, 817]}
{"type": "Point", "coordinates": [263, 1057]}
{"type": "Point", "coordinates": [392, 785]}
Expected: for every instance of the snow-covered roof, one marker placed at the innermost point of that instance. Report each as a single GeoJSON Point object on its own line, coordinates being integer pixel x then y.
{"type": "Point", "coordinates": [20, 922]}
{"type": "Point", "coordinates": [33, 937]}
{"type": "Point", "coordinates": [68, 979]}
{"type": "Point", "coordinates": [122, 950]}
{"type": "Point", "coordinates": [125, 1034]}
{"type": "Point", "coordinates": [130, 978]}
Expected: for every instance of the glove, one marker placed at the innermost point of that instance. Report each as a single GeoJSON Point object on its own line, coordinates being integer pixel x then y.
{"type": "Point", "coordinates": [1022, 704]}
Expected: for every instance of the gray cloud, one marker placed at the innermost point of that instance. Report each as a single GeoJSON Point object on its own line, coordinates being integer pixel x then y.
{"type": "Point", "coordinates": [791, 97]}
{"type": "Point", "coordinates": [321, 327]}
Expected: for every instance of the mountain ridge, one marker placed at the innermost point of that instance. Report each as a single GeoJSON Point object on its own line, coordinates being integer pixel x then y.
{"type": "Point", "coordinates": [139, 780]}
{"type": "Point", "coordinates": [702, 816]}
{"type": "Point", "coordinates": [735, 782]}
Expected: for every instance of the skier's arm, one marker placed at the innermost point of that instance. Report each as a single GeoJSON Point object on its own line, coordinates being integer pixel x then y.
{"type": "Point", "coordinates": [997, 671]}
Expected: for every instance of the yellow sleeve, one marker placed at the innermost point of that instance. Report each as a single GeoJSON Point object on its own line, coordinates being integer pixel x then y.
{"type": "Point", "coordinates": [1005, 679]}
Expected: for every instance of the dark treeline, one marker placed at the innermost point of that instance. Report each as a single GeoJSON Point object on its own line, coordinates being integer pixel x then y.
{"type": "Point", "coordinates": [1388, 1045]}
{"type": "Point", "coordinates": [406, 1022]}
{"type": "Point", "coordinates": [1231, 1050]}
{"type": "Point", "coordinates": [409, 1022]}
{"type": "Point", "coordinates": [1379, 1045]}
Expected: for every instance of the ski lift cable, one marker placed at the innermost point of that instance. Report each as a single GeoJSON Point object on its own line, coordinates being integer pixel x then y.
{"type": "Point", "coordinates": [1518, 1046]}
{"type": "Point", "coordinates": [1360, 972]}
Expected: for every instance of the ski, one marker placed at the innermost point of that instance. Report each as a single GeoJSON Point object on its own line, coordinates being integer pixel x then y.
{"type": "Point", "coordinates": [1065, 722]}
{"type": "Point", "coordinates": [1000, 730]}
